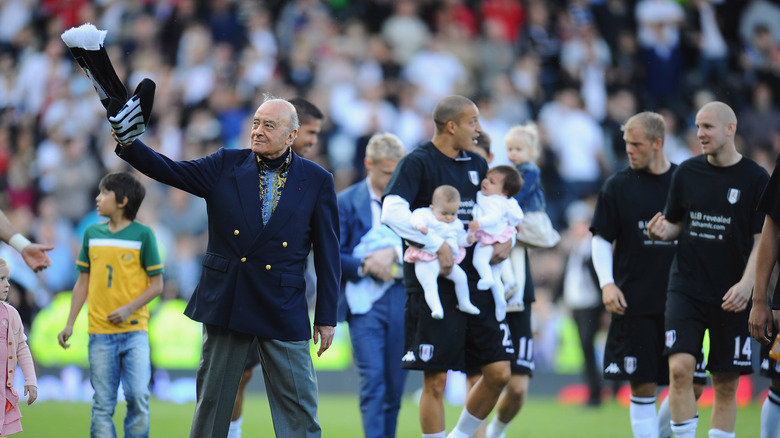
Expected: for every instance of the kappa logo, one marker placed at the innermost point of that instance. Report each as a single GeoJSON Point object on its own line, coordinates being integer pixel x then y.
{"type": "Point", "coordinates": [629, 364]}
{"type": "Point", "coordinates": [765, 365]}
{"type": "Point", "coordinates": [474, 177]}
{"type": "Point", "coordinates": [671, 338]}
{"type": "Point", "coordinates": [733, 196]}
{"type": "Point", "coordinates": [613, 368]}
{"type": "Point", "coordinates": [426, 352]}
{"type": "Point", "coordinates": [408, 357]}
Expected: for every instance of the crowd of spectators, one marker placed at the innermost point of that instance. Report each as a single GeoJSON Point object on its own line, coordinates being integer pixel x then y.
{"type": "Point", "coordinates": [579, 68]}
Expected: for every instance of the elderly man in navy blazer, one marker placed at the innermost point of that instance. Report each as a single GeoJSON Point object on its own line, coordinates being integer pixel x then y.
{"type": "Point", "coordinates": [267, 208]}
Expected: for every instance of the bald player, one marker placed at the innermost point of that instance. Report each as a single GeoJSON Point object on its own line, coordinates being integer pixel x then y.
{"type": "Point", "coordinates": [711, 212]}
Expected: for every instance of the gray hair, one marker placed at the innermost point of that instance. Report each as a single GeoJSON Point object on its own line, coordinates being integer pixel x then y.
{"type": "Point", "coordinates": [294, 123]}
{"type": "Point", "coordinates": [385, 145]}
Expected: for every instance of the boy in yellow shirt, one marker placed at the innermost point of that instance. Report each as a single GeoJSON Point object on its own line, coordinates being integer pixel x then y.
{"type": "Point", "coordinates": [120, 271]}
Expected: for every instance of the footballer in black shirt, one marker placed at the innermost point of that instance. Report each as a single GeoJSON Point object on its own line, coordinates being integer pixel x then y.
{"type": "Point", "coordinates": [633, 270]}
{"type": "Point", "coordinates": [457, 341]}
{"type": "Point", "coordinates": [764, 321]}
{"type": "Point", "coordinates": [711, 211]}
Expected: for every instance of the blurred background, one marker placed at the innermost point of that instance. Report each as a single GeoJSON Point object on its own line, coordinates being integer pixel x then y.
{"type": "Point", "coordinates": [577, 68]}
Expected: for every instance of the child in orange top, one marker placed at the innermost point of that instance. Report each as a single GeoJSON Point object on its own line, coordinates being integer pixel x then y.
{"type": "Point", "coordinates": [13, 344]}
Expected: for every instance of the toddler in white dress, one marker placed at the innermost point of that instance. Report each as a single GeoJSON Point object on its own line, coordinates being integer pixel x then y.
{"type": "Point", "coordinates": [441, 219]}
{"type": "Point", "coordinates": [496, 216]}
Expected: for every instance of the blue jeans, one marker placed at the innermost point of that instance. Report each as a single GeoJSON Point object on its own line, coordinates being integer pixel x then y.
{"type": "Point", "coordinates": [378, 343]}
{"type": "Point", "coordinates": [113, 358]}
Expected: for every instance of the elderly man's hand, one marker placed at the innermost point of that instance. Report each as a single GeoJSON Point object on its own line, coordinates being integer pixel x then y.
{"type": "Point", "coordinates": [129, 119]}
{"type": "Point", "coordinates": [325, 332]}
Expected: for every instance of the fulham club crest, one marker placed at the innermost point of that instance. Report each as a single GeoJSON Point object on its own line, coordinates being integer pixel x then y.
{"type": "Point", "coordinates": [474, 177]}
{"type": "Point", "coordinates": [426, 352]}
{"type": "Point", "coordinates": [629, 364]}
{"type": "Point", "coordinates": [671, 337]}
{"type": "Point", "coordinates": [733, 196]}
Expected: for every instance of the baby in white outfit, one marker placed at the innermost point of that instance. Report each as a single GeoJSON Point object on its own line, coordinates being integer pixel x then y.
{"type": "Point", "coordinates": [496, 216]}
{"type": "Point", "coordinates": [441, 219]}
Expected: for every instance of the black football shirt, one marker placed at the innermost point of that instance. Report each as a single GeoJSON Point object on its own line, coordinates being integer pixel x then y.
{"type": "Point", "coordinates": [717, 209]}
{"type": "Point", "coordinates": [626, 203]}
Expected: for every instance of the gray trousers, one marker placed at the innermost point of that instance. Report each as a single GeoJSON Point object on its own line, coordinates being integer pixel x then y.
{"type": "Point", "coordinates": [291, 385]}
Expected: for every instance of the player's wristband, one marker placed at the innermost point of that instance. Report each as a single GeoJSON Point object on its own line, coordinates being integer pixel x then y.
{"type": "Point", "coordinates": [18, 242]}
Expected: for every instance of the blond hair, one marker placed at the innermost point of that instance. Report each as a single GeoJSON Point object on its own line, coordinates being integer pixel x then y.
{"type": "Point", "coordinates": [529, 135]}
{"type": "Point", "coordinates": [385, 145]}
{"type": "Point", "coordinates": [652, 123]}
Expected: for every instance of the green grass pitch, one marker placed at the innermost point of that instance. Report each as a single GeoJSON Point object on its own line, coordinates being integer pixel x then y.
{"type": "Point", "coordinates": [541, 417]}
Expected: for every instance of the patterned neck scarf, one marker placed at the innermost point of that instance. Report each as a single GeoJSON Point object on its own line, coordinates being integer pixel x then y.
{"type": "Point", "coordinates": [272, 175]}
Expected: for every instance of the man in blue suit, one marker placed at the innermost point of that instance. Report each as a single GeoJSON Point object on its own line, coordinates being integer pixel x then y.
{"type": "Point", "coordinates": [374, 291]}
{"type": "Point", "coordinates": [267, 208]}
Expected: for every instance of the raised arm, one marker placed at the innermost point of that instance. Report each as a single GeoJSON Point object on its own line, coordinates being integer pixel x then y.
{"type": "Point", "coordinates": [197, 177]}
